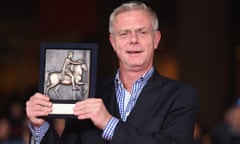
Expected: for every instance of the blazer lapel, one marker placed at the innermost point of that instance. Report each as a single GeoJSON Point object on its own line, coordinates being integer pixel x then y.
{"type": "Point", "coordinates": [146, 100]}
{"type": "Point", "coordinates": [110, 99]}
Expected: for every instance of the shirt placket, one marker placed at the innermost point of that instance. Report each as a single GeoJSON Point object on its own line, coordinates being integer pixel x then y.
{"type": "Point", "coordinates": [134, 95]}
{"type": "Point", "coordinates": [121, 98]}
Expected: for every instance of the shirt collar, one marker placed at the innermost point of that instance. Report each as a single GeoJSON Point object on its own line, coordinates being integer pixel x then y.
{"type": "Point", "coordinates": [143, 78]}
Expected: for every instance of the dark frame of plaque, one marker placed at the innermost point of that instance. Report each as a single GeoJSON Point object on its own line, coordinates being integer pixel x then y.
{"type": "Point", "coordinates": [67, 74]}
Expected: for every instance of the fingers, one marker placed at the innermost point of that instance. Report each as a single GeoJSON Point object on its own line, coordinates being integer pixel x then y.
{"type": "Point", "coordinates": [38, 105]}
{"type": "Point", "coordinates": [41, 99]}
{"type": "Point", "coordinates": [87, 108]}
{"type": "Point", "coordinates": [93, 109]}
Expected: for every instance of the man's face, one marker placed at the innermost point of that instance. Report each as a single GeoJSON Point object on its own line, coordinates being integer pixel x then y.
{"type": "Point", "coordinates": [134, 39]}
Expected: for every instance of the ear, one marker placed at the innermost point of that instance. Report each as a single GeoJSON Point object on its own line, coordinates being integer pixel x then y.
{"type": "Point", "coordinates": [157, 39]}
{"type": "Point", "coordinates": [111, 39]}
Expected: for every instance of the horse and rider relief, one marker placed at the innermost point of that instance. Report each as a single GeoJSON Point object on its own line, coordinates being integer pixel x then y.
{"type": "Point", "coordinates": [67, 74]}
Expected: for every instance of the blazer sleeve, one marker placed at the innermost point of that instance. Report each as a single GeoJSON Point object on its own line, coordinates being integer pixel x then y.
{"type": "Point", "coordinates": [69, 136]}
{"type": "Point", "coordinates": [75, 132]}
{"type": "Point", "coordinates": [51, 137]}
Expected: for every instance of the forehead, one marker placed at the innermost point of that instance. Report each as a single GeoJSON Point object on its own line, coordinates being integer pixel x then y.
{"type": "Point", "coordinates": [133, 18]}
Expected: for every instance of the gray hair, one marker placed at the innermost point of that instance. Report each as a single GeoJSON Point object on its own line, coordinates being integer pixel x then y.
{"type": "Point", "coordinates": [134, 5]}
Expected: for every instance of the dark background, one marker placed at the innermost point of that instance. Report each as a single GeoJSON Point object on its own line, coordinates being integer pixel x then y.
{"type": "Point", "coordinates": [200, 45]}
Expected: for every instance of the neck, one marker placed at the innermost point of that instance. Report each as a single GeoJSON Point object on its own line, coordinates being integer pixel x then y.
{"type": "Point", "coordinates": [128, 77]}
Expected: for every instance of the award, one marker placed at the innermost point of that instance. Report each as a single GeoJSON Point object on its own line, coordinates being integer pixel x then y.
{"type": "Point", "coordinates": [67, 74]}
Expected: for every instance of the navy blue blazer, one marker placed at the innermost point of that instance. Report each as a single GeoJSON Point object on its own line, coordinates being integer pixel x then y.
{"type": "Point", "coordinates": [164, 113]}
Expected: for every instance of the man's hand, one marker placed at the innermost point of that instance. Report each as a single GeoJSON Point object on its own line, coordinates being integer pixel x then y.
{"type": "Point", "coordinates": [38, 105]}
{"type": "Point", "coordinates": [94, 109]}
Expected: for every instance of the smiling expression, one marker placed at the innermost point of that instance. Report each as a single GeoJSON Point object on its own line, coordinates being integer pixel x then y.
{"type": "Point", "coordinates": [134, 40]}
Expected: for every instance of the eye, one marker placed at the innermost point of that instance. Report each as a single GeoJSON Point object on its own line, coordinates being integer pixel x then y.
{"type": "Point", "coordinates": [142, 32]}
{"type": "Point", "coordinates": [122, 34]}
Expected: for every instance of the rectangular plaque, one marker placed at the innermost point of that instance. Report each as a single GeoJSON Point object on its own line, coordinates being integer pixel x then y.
{"type": "Point", "coordinates": [67, 74]}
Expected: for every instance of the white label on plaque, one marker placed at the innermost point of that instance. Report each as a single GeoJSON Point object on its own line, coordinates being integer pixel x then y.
{"type": "Point", "coordinates": [65, 109]}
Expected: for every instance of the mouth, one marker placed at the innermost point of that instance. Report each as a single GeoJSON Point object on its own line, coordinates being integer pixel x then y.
{"type": "Point", "coordinates": [134, 52]}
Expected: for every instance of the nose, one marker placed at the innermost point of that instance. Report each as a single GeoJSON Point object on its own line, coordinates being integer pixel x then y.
{"type": "Point", "coordinates": [134, 37]}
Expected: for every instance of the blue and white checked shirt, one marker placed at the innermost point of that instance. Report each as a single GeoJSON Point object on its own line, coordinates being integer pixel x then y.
{"type": "Point", "coordinates": [126, 102]}
{"type": "Point", "coordinates": [38, 134]}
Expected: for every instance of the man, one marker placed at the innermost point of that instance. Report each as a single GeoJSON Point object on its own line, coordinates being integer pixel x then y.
{"type": "Point", "coordinates": [136, 106]}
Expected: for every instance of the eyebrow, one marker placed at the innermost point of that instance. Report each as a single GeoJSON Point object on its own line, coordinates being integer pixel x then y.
{"type": "Point", "coordinates": [142, 28]}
